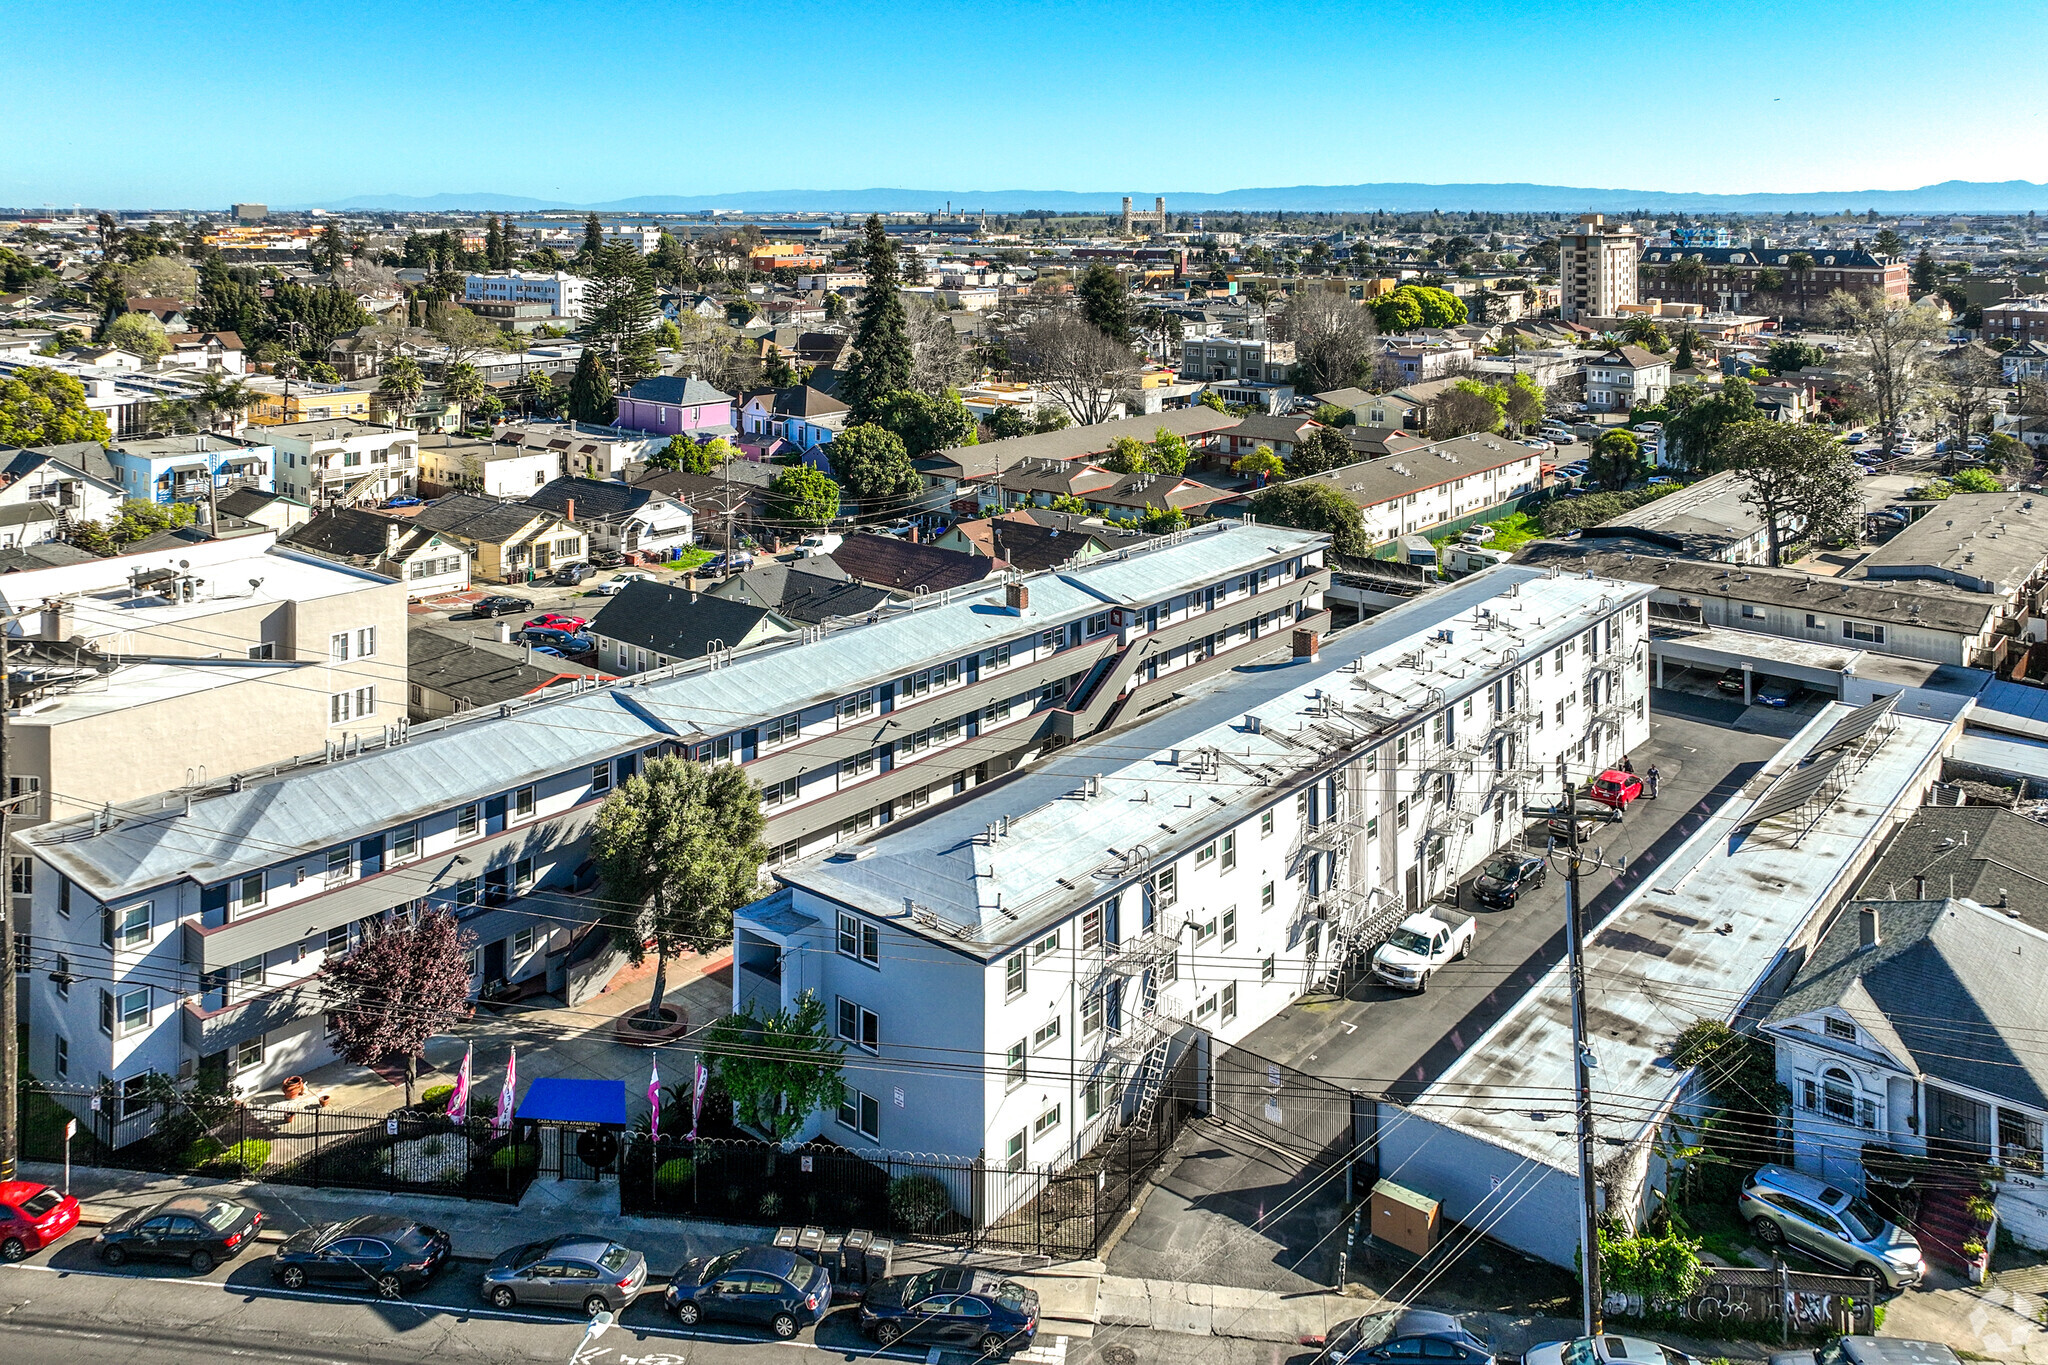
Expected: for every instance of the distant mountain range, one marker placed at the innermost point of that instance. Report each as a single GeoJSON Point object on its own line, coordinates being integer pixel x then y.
{"type": "Point", "coordinates": [1951, 196]}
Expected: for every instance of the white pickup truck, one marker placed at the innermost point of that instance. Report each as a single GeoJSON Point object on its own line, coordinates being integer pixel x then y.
{"type": "Point", "coordinates": [1422, 944]}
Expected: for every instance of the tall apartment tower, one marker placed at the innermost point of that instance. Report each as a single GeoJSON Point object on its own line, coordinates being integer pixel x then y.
{"type": "Point", "coordinates": [1596, 268]}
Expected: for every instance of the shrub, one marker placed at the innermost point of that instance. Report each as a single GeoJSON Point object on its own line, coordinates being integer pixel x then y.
{"type": "Point", "coordinates": [673, 1176]}
{"type": "Point", "coordinates": [436, 1097]}
{"type": "Point", "coordinates": [245, 1158]}
{"type": "Point", "coordinates": [453, 1176]}
{"type": "Point", "coordinates": [433, 1146]}
{"type": "Point", "coordinates": [1663, 1267]}
{"type": "Point", "coordinates": [516, 1155]}
{"type": "Point", "coordinates": [1976, 481]}
{"type": "Point", "coordinates": [771, 1205]}
{"type": "Point", "coordinates": [201, 1152]}
{"type": "Point", "coordinates": [918, 1202]}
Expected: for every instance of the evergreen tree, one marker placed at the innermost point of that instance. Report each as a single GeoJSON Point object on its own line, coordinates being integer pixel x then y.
{"type": "Point", "coordinates": [1105, 302]}
{"type": "Point", "coordinates": [593, 239]}
{"type": "Point", "coordinates": [333, 247]}
{"type": "Point", "coordinates": [1924, 278]}
{"type": "Point", "coordinates": [590, 391]}
{"type": "Point", "coordinates": [1685, 356]}
{"type": "Point", "coordinates": [508, 243]}
{"type": "Point", "coordinates": [881, 342]}
{"type": "Point", "coordinates": [494, 242]}
{"type": "Point", "coordinates": [620, 310]}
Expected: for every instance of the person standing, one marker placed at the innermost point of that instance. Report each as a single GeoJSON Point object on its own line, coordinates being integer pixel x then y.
{"type": "Point", "coordinates": [1652, 776]}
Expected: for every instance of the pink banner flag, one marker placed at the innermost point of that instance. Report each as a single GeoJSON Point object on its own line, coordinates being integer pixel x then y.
{"type": "Point", "coordinates": [697, 1100]}
{"type": "Point", "coordinates": [458, 1103]}
{"type": "Point", "coordinates": [654, 1098]}
{"type": "Point", "coordinates": [504, 1120]}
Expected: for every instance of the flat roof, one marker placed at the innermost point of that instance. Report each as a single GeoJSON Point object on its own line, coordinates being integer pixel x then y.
{"type": "Point", "coordinates": [1748, 644]}
{"type": "Point", "coordinates": [1993, 538]}
{"type": "Point", "coordinates": [145, 684]}
{"type": "Point", "coordinates": [1692, 940]}
{"type": "Point", "coordinates": [1155, 790]}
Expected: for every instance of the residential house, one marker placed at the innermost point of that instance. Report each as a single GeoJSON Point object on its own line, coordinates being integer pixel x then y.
{"type": "Point", "coordinates": [448, 673]}
{"type": "Point", "coordinates": [1625, 377]}
{"type": "Point", "coordinates": [652, 625]}
{"type": "Point", "coordinates": [507, 542]}
{"type": "Point", "coordinates": [494, 468]}
{"type": "Point", "coordinates": [1279, 434]}
{"type": "Point", "coordinates": [559, 292]}
{"type": "Point", "coordinates": [1705, 520]}
{"type": "Point", "coordinates": [187, 468]}
{"type": "Point", "coordinates": [263, 507]}
{"type": "Point", "coordinates": [1372, 443]}
{"type": "Point", "coordinates": [586, 452]}
{"type": "Point", "coordinates": [1419, 361]}
{"type": "Point", "coordinates": [46, 491]}
{"type": "Point", "coordinates": [172, 313]}
{"type": "Point", "coordinates": [621, 517]}
{"type": "Point", "coordinates": [358, 354]}
{"type": "Point", "coordinates": [1134, 495]}
{"type": "Point", "coordinates": [957, 469]}
{"type": "Point", "coordinates": [1412, 494]}
{"type": "Point", "coordinates": [1248, 359]}
{"type": "Point", "coordinates": [2020, 318]}
{"type": "Point", "coordinates": [345, 460]}
{"type": "Point", "coordinates": [736, 496]}
{"type": "Point", "coordinates": [903, 567]}
{"type": "Point", "coordinates": [808, 592]}
{"type": "Point", "coordinates": [1023, 542]}
{"type": "Point", "coordinates": [284, 403]}
{"type": "Point", "coordinates": [428, 563]}
{"type": "Point", "coordinates": [800, 415]}
{"type": "Point", "coordinates": [1039, 482]}
{"type": "Point", "coordinates": [672, 404]}
{"type": "Point", "coordinates": [218, 351]}
{"type": "Point", "coordinates": [2025, 363]}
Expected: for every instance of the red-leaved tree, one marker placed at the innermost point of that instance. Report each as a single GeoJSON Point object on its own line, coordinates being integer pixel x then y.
{"type": "Point", "coordinates": [399, 987]}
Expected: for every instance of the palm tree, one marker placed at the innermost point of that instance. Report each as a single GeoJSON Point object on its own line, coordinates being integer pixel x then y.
{"type": "Point", "coordinates": [218, 393]}
{"type": "Point", "coordinates": [402, 385]}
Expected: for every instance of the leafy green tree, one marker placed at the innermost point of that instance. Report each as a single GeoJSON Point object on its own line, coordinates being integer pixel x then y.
{"type": "Point", "coordinates": [687, 456]}
{"type": "Point", "coordinates": [140, 334]}
{"type": "Point", "coordinates": [873, 466]}
{"type": "Point", "coordinates": [1331, 415]}
{"type": "Point", "coordinates": [591, 398]}
{"type": "Point", "coordinates": [1789, 357]}
{"type": "Point", "coordinates": [778, 1070]}
{"type": "Point", "coordinates": [803, 496]}
{"type": "Point", "coordinates": [668, 336]}
{"type": "Point", "coordinates": [678, 847]}
{"type": "Point", "coordinates": [881, 357]}
{"type": "Point", "coordinates": [2007, 454]}
{"type": "Point", "coordinates": [1159, 521]}
{"type": "Point", "coordinates": [1413, 305]}
{"type": "Point", "coordinates": [1523, 401]}
{"type": "Point", "coordinates": [1315, 507]}
{"type": "Point", "coordinates": [1794, 473]}
{"type": "Point", "coordinates": [1050, 417]}
{"type": "Point", "coordinates": [1261, 466]}
{"type": "Point", "coordinates": [40, 406]}
{"type": "Point", "coordinates": [1318, 452]}
{"type": "Point", "coordinates": [1105, 301]}
{"type": "Point", "coordinates": [1617, 461]}
{"type": "Point", "coordinates": [1213, 400]}
{"type": "Point", "coordinates": [538, 393]}
{"type": "Point", "coordinates": [1976, 481]}
{"type": "Point", "coordinates": [311, 316]}
{"type": "Point", "coordinates": [139, 519]}
{"type": "Point", "coordinates": [1006, 422]}
{"type": "Point", "coordinates": [927, 422]}
{"type": "Point", "coordinates": [1067, 502]}
{"type": "Point", "coordinates": [1127, 455]}
{"type": "Point", "coordinates": [401, 385]}
{"type": "Point", "coordinates": [671, 264]}
{"type": "Point", "coordinates": [463, 386]}
{"type": "Point", "coordinates": [1466, 408]}
{"type": "Point", "coordinates": [1700, 421]}
{"type": "Point", "coordinates": [1170, 453]}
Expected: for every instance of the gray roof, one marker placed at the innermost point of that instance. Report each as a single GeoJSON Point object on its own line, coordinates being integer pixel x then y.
{"type": "Point", "coordinates": [1953, 989]}
{"type": "Point", "coordinates": [679, 623]}
{"type": "Point", "coordinates": [247, 502]}
{"type": "Point", "coordinates": [807, 592]}
{"type": "Point", "coordinates": [684, 391]}
{"type": "Point", "coordinates": [42, 556]}
{"type": "Point", "coordinates": [1986, 542]}
{"type": "Point", "coordinates": [1070, 443]}
{"type": "Point", "coordinates": [901, 566]}
{"type": "Point", "coordinates": [1701, 520]}
{"type": "Point", "coordinates": [479, 519]}
{"type": "Point", "coordinates": [1939, 607]}
{"type": "Point", "coordinates": [478, 672]}
{"type": "Point", "coordinates": [1959, 850]}
{"type": "Point", "coordinates": [347, 532]}
{"type": "Point", "coordinates": [594, 499]}
{"type": "Point", "coordinates": [1376, 481]}
{"type": "Point", "coordinates": [87, 457]}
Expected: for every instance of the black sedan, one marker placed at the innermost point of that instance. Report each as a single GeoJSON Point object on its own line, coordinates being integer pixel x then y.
{"type": "Point", "coordinates": [195, 1229]}
{"type": "Point", "coordinates": [1404, 1335]}
{"type": "Point", "coordinates": [380, 1252]}
{"type": "Point", "coordinates": [1504, 879]}
{"type": "Point", "coordinates": [958, 1306]}
{"type": "Point", "coordinates": [502, 604]}
{"type": "Point", "coordinates": [772, 1287]}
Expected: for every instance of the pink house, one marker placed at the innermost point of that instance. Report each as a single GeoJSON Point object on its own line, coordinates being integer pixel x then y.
{"type": "Point", "coordinates": [669, 404]}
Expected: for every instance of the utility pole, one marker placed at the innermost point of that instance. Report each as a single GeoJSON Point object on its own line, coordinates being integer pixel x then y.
{"type": "Point", "coordinates": [10, 1037]}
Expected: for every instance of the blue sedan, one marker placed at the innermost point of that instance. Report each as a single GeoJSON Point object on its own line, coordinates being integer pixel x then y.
{"type": "Point", "coordinates": [956, 1306]}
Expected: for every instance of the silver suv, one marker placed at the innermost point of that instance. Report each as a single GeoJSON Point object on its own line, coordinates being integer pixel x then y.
{"type": "Point", "coordinates": [1781, 1206]}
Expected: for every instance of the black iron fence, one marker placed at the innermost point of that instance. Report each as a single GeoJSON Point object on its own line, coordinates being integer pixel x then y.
{"type": "Point", "coordinates": [193, 1134]}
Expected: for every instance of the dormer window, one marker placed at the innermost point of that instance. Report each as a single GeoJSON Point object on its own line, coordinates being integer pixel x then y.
{"type": "Point", "coordinates": [1839, 1029]}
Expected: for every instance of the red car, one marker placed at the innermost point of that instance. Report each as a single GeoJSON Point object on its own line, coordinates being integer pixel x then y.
{"type": "Point", "coordinates": [556, 621]}
{"type": "Point", "coordinates": [31, 1217]}
{"type": "Point", "coordinates": [1615, 788]}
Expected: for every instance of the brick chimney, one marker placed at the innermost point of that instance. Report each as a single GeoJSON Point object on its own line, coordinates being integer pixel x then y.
{"type": "Point", "coordinates": [569, 513]}
{"type": "Point", "coordinates": [1017, 597]}
{"type": "Point", "coordinates": [1307, 645]}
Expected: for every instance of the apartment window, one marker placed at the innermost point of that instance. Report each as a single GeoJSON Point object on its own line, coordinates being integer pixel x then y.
{"type": "Point", "coordinates": [366, 642]}
{"type": "Point", "coordinates": [1046, 1034]}
{"type": "Point", "coordinates": [1229, 852]}
{"type": "Point", "coordinates": [1751, 612]}
{"type": "Point", "coordinates": [1372, 828]}
{"type": "Point", "coordinates": [63, 1056]}
{"type": "Point", "coordinates": [1015, 1069]}
{"type": "Point", "coordinates": [337, 939]}
{"type": "Point", "coordinates": [1265, 824]}
{"type": "Point", "coordinates": [337, 647]}
{"type": "Point", "coordinates": [1266, 968]}
{"type": "Point", "coordinates": [358, 704]}
{"type": "Point", "coordinates": [1858, 630]}
{"type": "Point", "coordinates": [1401, 813]}
{"type": "Point", "coordinates": [861, 1027]}
{"type": "Point", "coordinates": [1230, 926]}
{"type": "Point", "coordinates": [1205, 855]}
{"type": "Point", "coordinates": [1091, 1099]}
{"type": "Point", "coordinates": [1205, 930]}
{"type": "Point", "coordinates": [860, 940]}
{"type": "Point", "coordinates": [1091, 1013]}
{"type": "Point", "coordinates": [1014, 977]}
{"type": "Point", "coordinates": [1046, 1122]}
{"type": "Point", "coordinates": [338, 865]}
{"type": "Point", "coordinates": [1049, 944]}
{"type": "Point", "coordinates": [466, 820]}
{"type": "Point", "coordinates": [523, 803]}
{"type": "Point", "coordinates": [1230, 1002]}
{"type": "Point", "coordinates": [124, 1014]}
{"type": "Point", "coordinates": [996, 711]}
{"type": "Point", "coordinates": [862, 1113]}
{"type": "Point", "coordinates": [1266, 896]}
{"type": "Point", "coordinates": [780, 731]}
{"type": "Point", "coordinates": [600, 778]}
{"type": "Point", "coordinates": [996, 658]}
{"type": "Point", "coordinates": [522, 876]}
{"type": "Point", "coordinates": [62, 977]}
{"type": "Point", "coordinates": [1091, 928]}
{"type": "Point", "coordinates": [522, 943]}
{"type": "Point", "coordinates": [1165, 888]}
{"type": "Point", "coordinates": [128, 928]}
{"type": "Point", "coordinates": [1013, 1152]}
{"type": "Point", "coordinates": [245, 978]}
{"type": "Point", "coordinates": [857, 705]}
{"type": "Point", "coordinates": [779, 793]}
{"type": "Point", "coordinates": [1050, 640]}
{"type": "Point", "coordinates": [404, 844]}
{"type": "Point", "coordinates": [266, 650]}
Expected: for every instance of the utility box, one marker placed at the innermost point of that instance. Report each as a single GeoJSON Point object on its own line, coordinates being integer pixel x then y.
{"type": "Point", "coordinates": [1403, 1218]}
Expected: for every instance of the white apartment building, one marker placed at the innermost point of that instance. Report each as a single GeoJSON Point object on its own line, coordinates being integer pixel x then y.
{"type": "Point", "coordinates": [1251, 360]}
{"type": "Point", "coordinates": [1418, 490]}
{"type": "Point", "coordinates": [344, 460]}
{"type": "Point", "coordinates": [204, 920]}
{"type": "Point", "coordinates": [1196, 872]}
{"type": "Point", "coordinates": [645, 237]}
{"type": "Point", "coordinates": [1596, 268]}
{"type": "Point", "coordinates": [559, 290]}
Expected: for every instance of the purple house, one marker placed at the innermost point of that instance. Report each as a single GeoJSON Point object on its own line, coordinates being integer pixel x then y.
{"type": "Point", "coordinates": [668, 404]}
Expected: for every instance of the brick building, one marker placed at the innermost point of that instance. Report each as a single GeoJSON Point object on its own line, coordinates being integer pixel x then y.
{"type": "Point", "coordinates": [1777, 281]}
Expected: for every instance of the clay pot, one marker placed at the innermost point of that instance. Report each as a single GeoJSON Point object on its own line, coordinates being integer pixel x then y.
{"type": "Point", "coordinates": [294, 1086]}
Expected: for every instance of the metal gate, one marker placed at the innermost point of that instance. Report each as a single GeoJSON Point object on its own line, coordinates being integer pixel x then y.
{"type": "Point", "coordinates": [1310, 1119]}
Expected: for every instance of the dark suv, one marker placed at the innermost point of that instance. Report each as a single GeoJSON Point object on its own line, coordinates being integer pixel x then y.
{"type": "Point", "coordinates": [778, 1289]}
{"type": "Point", "coordinates": [377, 1252]}
{"type": "Point", "coordinates": [1504, 879]}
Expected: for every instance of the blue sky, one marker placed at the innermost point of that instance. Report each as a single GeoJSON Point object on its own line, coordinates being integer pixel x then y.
{"type": "Point", "coordinates": [136, 104]}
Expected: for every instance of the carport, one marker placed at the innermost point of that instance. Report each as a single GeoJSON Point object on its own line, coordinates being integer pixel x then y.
{"type": "Point", "coordinates": [1817, 665]}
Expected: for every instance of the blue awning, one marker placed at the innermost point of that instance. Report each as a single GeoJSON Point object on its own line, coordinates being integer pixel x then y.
{"type": "Point", "coordinates": [555, 1099]}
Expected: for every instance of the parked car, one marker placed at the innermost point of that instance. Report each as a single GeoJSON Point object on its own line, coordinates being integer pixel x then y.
{"type": "Point", "coordinates": [1501, 882]}
{"type": "Point", "coordinates": [767, 1285]}
{"type": "Point", "coordinates": [741, 562]}
{"type": "Point", "coordinates": [1647, 428]}
{"type": "Point", "coordinates": [1731, 681]}
{"type": "Point", "coordinates": [1776, 692]}
{"type": "Point", "coordinates": [818, 543]}
{"type": "Point", "coordinates": [1406, 1334]}
{"type": "Point", "coordinates": [1609, 1349]}
{"type": "Point", "coordinates": [1869, 1351]}
{"type": "Point", "coordinates": [576, 1270]}
{"type": "Point", "coordinates": [380, 1251]}
{"type": "Point", "coordinates": [501, 605]}
{"type": "Point", "coordinates": [1421, 946]}
{"type": "Point", "coordinates": [1560, 829]}
{"type": "Point", "coordinates": [1859, 436]}
{"type": "Point", "coordinates": [567, 641]}
{"type": "Point", "coordinates": [957, 1306]}
{"type": "Point", "coordinates": [32, 1216]}
{"type": "Point", "coordinates": [606, 559]}
{"type": "Point", "coordinates": [1785, 1206]}
{"type": "Point", "coordinates": [1539, 445]}
{"type": "Point", "coordinates": [569, 575]}
{"type": "Point", "coordinates": [402, 502]}
{"type": "Point", "coordinates": [1615, 789]}
{"type": "Point", "coordinates": [555, 620]}
{"type": "Point", "coordinates": [197, 1229]}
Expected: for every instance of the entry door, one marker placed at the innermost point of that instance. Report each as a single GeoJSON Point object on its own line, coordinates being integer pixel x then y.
{"type": "Point", "coordinates": [1415, 888]}
{"type": "Point", "coordinates": [494, 960]}
{"type": "Point", "coordinates": [1958, 1123]}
